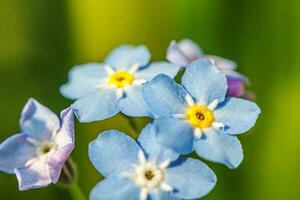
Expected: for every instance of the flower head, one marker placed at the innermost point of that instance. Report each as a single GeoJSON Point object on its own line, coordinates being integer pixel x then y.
{"type": "Point", "coordinates": [197, 115]}
{"type": "Point", "coordinates": [102, 90]}
{"type": "Point", "coordinates": [145, 170]}
{"type": "Point", "coordinates": [37, 155]}
{"type": "Point", "coordinates": [186, 51]}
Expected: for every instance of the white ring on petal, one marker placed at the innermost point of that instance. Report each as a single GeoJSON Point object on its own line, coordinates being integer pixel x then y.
{"type": "Point", "coordinates": [180, 116]}
{"type": "Point", "coordinates": [109, 70]}
{"type": "Point", "coordinates": [218, 125]}
{"type": "Point", "coordinates": [134, 68]}
{"type": "Point", "coordinates": [120, 93]}
{"type": "Point", "coordinates": [189, 100]}
{"type": "Point", "coordinates": [197, 133]}
{"type": "Point", "coordinates": [213, 104]}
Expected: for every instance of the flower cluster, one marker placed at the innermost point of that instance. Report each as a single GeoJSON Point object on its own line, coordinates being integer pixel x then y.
{"type": "Point", "coordinates": [204, 113]}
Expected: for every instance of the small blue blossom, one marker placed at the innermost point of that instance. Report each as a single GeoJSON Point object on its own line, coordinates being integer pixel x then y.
{"type": "Point", "coordinates": [102, 90]}
{"type": "Point", "coordinates": [197, 115]}
{"type": "Point", "coordinates": [186, 51]}
{"type": "Point", "coordinates": [145, 170]}
{"type": "Point", "coordinates": [37, 154]}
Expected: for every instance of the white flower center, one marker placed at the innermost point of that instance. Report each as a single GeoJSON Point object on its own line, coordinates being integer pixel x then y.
{"type": "Point", "coordinates": [46, 148]}
{"type": "Point", "coordinates": [149, 176]}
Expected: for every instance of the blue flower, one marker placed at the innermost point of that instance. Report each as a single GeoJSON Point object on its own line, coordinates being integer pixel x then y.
{"type": "Point", "coordinates": [37, 154]}
{"type": "Point", "coordinates": [145, 170]}
{"type": "Point", "coordinates": [102, 90]}
{"type": "Point", "coordinates": [186, 51]}
{"type": "Point", "coordinates": [197, 116]}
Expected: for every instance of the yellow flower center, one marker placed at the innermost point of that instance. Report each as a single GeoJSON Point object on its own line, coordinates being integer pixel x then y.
{"type": "Point", "coordinates": [121, 79]}
{"type": "Point", "coordinates": [200, 116]}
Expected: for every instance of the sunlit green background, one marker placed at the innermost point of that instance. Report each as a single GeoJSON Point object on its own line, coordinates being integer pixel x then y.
{"type": "Point", "coordinates": [40, 40]}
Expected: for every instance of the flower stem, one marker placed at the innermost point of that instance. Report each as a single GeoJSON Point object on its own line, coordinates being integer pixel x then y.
{"type": "Point", "coordinates": [133, 125]}
{"type": "Point", "coordinates": [76, 192]}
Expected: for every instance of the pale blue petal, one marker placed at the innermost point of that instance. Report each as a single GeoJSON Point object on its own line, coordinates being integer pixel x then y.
{"type": "Point", "coordinates": [15, 152]}
{"type": "Point", "coordinates": [38, 121]}
{"type": "Point", "coordinates": [34, 176]}
{"type": "Point", "coordinates": [223, 63]}
{"type": "Point", "coordinates": [133, 103]}
{"type": "Point", "coordinates": [57, 161]}
{"type": "Point", "coordinates": [190, 178]}
{"type": "Point", "coordinates": [205, 82]}
{"type": "Point", "coordinates": [115, 188]}
{"type": "Point", "coordinates": [176, 56]}
{"type": "Point", "coordinates": [83, 80]}
{"type": "Point", "coordinates": [190, 49]}
{"type": "Point", "coordinates": [161, 195]}
{"type": "Point", "coordinates": [164, 96]}
{"type": "Point", "coordinates": [238, 115]}
{"type": "Point", "coordinates": [99, 105]}
{"type": "Point", "coordinates": [125, 56]}
{"type": "Point", "coordinates": [175, 133]}
{"type": "Point", "coordinates": [113, 152]}
{"type": "Point", "coordinates": [156, 68]}
{"type": "Point", "coordinates": [65, 139]}
{"type": "Point", "coordinates": [154, 150]}
{"type": "Point", "coordinates": [218, 147]}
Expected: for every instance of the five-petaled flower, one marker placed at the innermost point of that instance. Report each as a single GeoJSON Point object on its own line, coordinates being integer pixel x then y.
{"type": "Point", "coordinates": [38, 154]}
{"type": "Point", "coordinates": [145, 170]}
{"type": "Point", "coordinates": [186, 51]}
{"type": "Point", "coordinates": [102, 90]}
{"type": "Point", "coordinates": [197, 116]}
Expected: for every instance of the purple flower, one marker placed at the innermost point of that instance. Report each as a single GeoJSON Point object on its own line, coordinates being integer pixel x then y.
{"type": "Point", "coordinates": [38, 154]}
{"type": "Point", "coordinates": [186, 51]}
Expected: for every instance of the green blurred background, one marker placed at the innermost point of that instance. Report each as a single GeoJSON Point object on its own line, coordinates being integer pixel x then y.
{"type": "Point", "coordinates": [40, 40]}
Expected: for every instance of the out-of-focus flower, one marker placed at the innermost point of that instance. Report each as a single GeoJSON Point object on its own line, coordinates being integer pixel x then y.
{"type": "Point", "coordinates": [102, 90]}
{"type": "Point", "coordinates": [38, 154]}
{"type": "Point", "coordinates": [145, 170]}
{"type": "Point", "coordinates": [197, 116]}
{"type": "Point", "coordinates": [186, 51]}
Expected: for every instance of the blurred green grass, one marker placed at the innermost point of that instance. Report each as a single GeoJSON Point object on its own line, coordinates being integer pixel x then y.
{"type": "Point", "coordinates": [41, 40]}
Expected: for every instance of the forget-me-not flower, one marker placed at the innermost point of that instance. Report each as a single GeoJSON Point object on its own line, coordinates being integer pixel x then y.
{"type": "Point", "coordinates": [145, 170]}
{"type": "Point", "coordinates": [102, 90]}
{"type": "Point", "coordinates": [197, 116]}
{"type": "Point", "coordinates": [38, 154]}
{"type": "Point", "coordinates": [186, 51]}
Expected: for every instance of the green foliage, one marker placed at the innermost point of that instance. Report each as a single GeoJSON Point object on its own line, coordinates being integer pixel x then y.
{"type": "Point", "coordinates": [41, 40]}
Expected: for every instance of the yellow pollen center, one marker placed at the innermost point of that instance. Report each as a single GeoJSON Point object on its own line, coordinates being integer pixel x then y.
{"type": "Point", "coordinates": [200, 116]}
{"type": "Point", "coordinates": [121, 79]}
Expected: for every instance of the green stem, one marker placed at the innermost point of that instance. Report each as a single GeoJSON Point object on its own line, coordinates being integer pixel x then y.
{"type": "Point", "coordinates": [76, 192]}
{"type": "Point", "coordinates": [133, 125]}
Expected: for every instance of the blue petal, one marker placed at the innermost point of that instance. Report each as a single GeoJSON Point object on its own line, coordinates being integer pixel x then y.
{"type": "Point", "coordinates": [220, 148]}
{"type": "Point", "coordinates": [15, 152]}
{"type": "Point", "coordinates": [164, 96]}
{"type": "Point", "coordinates": [133, 104]}
{"type": "Point", "coordinates": [156, 68]}
{"type": "Point", "coordinates": [35, 176]}
{"type": "Point", "coordinates": [175, 134]}
{"type": "Point", "coordinates": [125, 56]}
{"type": "Point", "coordinates": [98, 105]}
{"type": "Point", "coordinates": [176, 56]}
{"type": "Point", "coordinates": [238, 115]}
{"type": "Point", "coordinates": [115, 188]}
{"type": "Point", "coordinates": [161, 195]}
{"type": "Point", "coordinates": [113, 152]}
{"type": "Point", "coordinates": [83, 80]}
{"type": "Point", "coordinates": [38, 121]}
{"type": "Point", "coordinates": [190, 178]}
{"type": "Point", "coordinates": [154, 151]}
{"type": "Point", "coordinates": [204, 81]}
